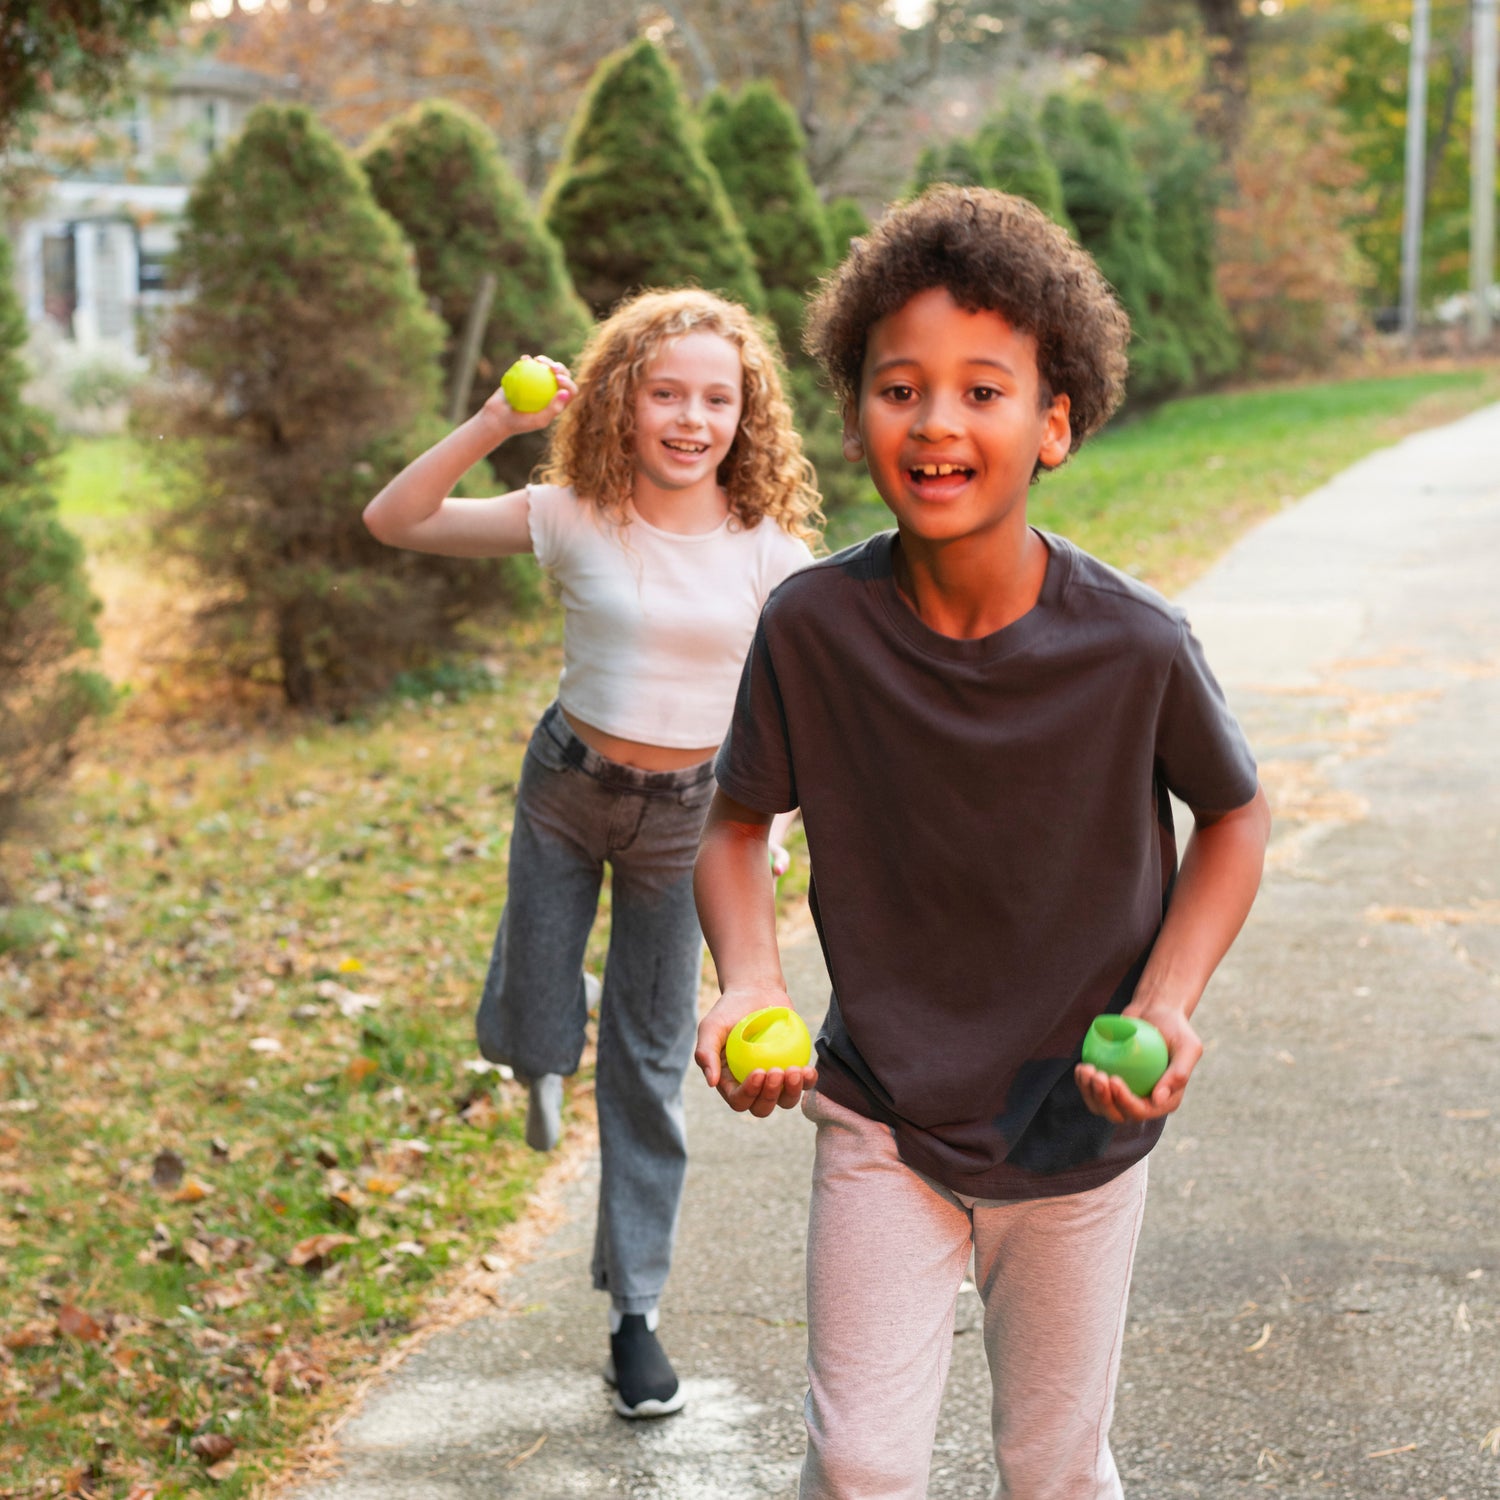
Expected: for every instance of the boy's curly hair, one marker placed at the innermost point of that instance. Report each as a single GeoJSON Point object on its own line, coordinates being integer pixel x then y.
{"type": "Point", "coordinates": [593, 443]}
{"type": "Point", "coordinates": [993, 252]}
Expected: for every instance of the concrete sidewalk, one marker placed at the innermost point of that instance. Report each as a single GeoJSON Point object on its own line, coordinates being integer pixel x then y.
{"type": "Point", "coordinates": [1317, 1297]}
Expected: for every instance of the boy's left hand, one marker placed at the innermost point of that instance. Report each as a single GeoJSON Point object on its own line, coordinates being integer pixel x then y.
{"type": "Point", "coordinates": [1113, 1098]}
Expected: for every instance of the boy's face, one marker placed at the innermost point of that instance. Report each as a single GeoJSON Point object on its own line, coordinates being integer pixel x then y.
{"type": "Point", "coordinates": [950, 420]}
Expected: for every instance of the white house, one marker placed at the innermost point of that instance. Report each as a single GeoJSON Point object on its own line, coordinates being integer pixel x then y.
{"type": "Point", "coordinates": [91, 257]}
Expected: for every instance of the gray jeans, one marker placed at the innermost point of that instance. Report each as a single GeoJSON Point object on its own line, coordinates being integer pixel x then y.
{"type": "Point", "coordinates": [575, 812]}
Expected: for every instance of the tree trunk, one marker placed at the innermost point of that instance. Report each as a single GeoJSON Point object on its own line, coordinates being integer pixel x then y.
{"type": "Point", "coordinates": [298, 683]}
{"type": "Point", "coordinates": [1227, 76]}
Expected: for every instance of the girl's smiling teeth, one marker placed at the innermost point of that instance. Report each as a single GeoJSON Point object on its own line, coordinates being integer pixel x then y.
{"type": "Point", "coordinates": [685, 445]}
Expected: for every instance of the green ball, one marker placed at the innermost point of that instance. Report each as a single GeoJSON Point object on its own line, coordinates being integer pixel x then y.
{"type": "Point", "coordinates": [528, 385]}
{"type": "Point", "coordinates": [1129, 1048]}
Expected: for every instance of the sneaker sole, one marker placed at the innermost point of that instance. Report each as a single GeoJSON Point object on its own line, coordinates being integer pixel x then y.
{"type": "Point", "coordinates": [651, 1408]}
{"type": "Point", "coordinates": [673, 1403]}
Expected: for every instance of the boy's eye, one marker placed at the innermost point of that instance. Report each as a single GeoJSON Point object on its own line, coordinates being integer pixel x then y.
{"type": "Point", "coordinates": [900, 392]}
{"type": "Point", "coordinates": [984, 393]}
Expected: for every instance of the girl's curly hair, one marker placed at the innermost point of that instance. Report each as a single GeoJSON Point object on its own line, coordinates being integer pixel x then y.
{"type": "Point", "coordinates": [993, 252]}
{"type": "Point", "coordinates": [593, 444]}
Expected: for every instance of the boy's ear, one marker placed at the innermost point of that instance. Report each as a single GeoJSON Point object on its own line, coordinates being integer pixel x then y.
{"type": "Point", "coordinates": [1057, 432]}
{"type": "Point", "coordinates": [854, 446]}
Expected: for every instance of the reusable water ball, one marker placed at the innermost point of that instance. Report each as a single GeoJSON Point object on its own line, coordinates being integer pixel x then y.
{"type": "Point", "coordinates": [771, 1038]}
{"type": "Point", "coordinates": [529, 384]}
{"type": "Point", "coordinates": [1128, 1048]}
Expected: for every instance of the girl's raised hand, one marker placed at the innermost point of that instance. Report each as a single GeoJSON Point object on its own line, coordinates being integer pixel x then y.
{"type": "Point", "coordinates": [510, 420]}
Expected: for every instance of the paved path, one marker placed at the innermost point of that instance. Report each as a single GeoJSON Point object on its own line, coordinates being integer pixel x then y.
{"type": "Point", "coordinates": [1317, 1299]}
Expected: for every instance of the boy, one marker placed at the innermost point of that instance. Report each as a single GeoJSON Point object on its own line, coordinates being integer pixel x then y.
{"type": "Point", "coordinates": [981, 724]}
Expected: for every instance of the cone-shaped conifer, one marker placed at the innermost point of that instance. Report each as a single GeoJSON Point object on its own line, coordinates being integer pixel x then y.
{"type": "Point", "coordinates": [437, 172]}
{"type": "Point", "coordinates": [846, 222]}
{"type": "Point", "coordinates": [1106, 199]}
{"type": "Point", "coordinates": [1016, 161]}
{"type": "Point", "coordinates": [47, 688]}
{"type": "Point", "coordinates": [759, 150]}
{"type": "Point", "coordinates": [635, 202]}
{"type": "Point", "coordinates": [299, 375]}
{"type": "Point", "coordinates": [1182, 180]}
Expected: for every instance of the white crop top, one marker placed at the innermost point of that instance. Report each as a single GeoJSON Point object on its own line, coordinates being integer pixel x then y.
{"type": "Point", "coordinates": [656, 623]}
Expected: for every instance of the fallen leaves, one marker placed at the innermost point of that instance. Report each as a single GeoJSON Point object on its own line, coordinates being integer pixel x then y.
{"type": "Point", "coordinates": [315, 1253]}
{"type": "Point", "coordinates": [167, 1170]}
{"type": "Point", "coordinates": [74, 1323]}
{"type": "Point", "coordinates": [211, 1447]}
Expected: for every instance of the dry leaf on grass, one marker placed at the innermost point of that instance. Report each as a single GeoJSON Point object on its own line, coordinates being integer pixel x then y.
{"type": "Point", "coordinates": [313, 1253]}
{"type": "Point", "coordinates": [77, 1324]}
{"type": "Point", "coordinates": [167, 1169]}
{"type": "Point", "coordinates": [212, 1447]}
{"type": "Point", "coordinates": [193, 1190]}
{"type": "Point", "coordinates": [31, 1335]}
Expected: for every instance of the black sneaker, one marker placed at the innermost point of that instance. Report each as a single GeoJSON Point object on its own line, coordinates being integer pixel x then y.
{"type": "Point", "coordinates": [645, 1383]}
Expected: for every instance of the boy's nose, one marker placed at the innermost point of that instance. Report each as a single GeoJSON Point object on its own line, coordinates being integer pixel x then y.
{"type": "Point", "coordinates": [936, 418]}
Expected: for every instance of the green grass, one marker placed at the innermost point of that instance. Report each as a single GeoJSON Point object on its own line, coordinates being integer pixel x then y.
{"type": "Point", "coordinates": [187, 1091]}
{"type": "Point", "coordinates": [1163, 495]}
{"type": "Point", "coordinates": [101, 482]}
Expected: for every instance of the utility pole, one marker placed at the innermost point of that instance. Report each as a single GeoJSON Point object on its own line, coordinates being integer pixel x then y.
{"type": "Point", "coordinates": [1416, 165]}
{"type": "Point", "coordinates": [1482, 175]}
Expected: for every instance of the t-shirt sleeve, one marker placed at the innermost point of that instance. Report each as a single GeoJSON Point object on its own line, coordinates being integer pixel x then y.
{"type": "Point", "coordinates": [754, 764]}
{"type": "Point", "coordinates": [783, 559]}
{"type": "Point", "coordinates": [551, 516]}
{"type": "Point", "coordinates": [1201, 750]}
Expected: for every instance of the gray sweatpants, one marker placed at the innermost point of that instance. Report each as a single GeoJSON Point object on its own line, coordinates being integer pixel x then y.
{"type": "Point", "coordinates": [887, 1251]}
{"type": "Point", "coordinates": [575, 812]}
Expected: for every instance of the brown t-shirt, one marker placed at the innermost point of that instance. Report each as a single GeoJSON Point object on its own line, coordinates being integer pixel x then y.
{"type": "Point", "coordinates": [991, 844]}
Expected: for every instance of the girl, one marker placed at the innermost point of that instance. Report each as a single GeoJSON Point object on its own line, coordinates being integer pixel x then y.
{"type": "Point", "coordinates": [674, 499]}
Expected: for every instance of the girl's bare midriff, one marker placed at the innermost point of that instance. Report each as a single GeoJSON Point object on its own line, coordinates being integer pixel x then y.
{"type": "Point", "coordinates": [633, 753]}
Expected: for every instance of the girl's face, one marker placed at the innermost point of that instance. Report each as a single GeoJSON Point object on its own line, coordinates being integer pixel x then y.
{"type": "Point", "coordinates": [687, 411]}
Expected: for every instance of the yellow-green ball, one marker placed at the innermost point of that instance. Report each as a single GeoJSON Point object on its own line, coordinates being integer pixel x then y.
{"type": "Point", "coordinates": [528, 385]}
{"type": "Point", "coordinates": [771, 1038]}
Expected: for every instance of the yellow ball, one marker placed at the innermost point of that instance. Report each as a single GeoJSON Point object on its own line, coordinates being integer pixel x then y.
{"type": "Point", "coordinates": [771, 1038]}
{"type": "Point", "coordinates": [528, 385]}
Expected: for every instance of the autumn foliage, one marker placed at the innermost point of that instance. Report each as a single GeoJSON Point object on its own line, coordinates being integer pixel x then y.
{"type": "Point", "coordinates": [1288, 268]}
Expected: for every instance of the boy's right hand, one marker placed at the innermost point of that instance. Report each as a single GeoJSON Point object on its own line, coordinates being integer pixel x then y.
{"type": "Point", "coordinates": [507, 422]}
{"type": "Point", "coordinates": [761, 1092]}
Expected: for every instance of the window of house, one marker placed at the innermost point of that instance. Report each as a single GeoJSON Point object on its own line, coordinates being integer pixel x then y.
{"type": "Point", "coordinates": [60, 277]}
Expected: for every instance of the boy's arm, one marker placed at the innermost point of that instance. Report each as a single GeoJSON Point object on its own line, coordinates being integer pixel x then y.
{"type": "Point", "coordinates": [737, 909]}
{"type": "Point", "coordinates": [416, 510]}
{"type": "Point", "coordinates": [1220, 875]}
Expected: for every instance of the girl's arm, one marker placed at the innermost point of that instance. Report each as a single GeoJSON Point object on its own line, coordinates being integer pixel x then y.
{"type": "Point", "coordinates": [781, 858]}
{"type": "Point", "coordinates": [1220, 875]}
{"type": "Point", "coordinates": [417, 509]}
{"type": "Point", "coordinates": [738, 913]}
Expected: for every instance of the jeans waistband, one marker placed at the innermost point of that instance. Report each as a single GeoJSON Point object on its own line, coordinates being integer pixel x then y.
{"type": "Point", "coordinates": [612, 772]}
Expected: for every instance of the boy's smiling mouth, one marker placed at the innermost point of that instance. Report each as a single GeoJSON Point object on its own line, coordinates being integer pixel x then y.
{"type": "Point", "coordinates": [939, 471]}
{"type": "Point", "coordinates": [938, 481]}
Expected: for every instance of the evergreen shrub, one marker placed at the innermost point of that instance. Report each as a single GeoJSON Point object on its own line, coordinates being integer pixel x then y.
{"type": "Point", "coordinates": [48, 689]}
{"type": "Point", "coordinates": [300, 374]}
{"type": "Point", "coordinates": [436, 170]}
{"type": "Point", "coordinates": [635, 201]}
